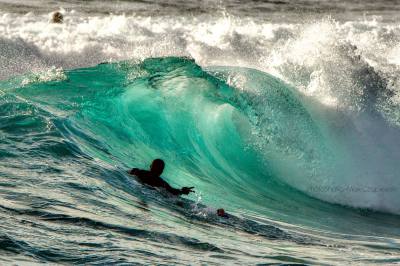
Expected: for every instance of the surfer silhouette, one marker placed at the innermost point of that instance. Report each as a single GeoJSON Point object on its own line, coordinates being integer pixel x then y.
{"type": "Point", "coordinates": [152, 178]}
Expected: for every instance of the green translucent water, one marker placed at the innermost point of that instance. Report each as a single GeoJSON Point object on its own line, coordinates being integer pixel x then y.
{"type": "Point", "coordinates": [255, 147]}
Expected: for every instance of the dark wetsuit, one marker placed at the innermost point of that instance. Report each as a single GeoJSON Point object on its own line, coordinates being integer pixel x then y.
{"type": "Point", "coordinates": [153, 180]}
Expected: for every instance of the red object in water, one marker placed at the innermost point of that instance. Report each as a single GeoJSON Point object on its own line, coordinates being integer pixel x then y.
{"type": "Point", "coordinates": [221, 212]}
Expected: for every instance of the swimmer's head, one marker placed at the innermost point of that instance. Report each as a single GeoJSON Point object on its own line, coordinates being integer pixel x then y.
{"type": "Point", "coordinates": [57, 17]}
{"type": "Point", "coordinates": [221, 212]}
{"type": "Point", "coordinates": [157, 166]}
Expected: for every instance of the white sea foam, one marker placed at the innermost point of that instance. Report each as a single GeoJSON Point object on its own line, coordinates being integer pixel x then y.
{"type": "Point", "coordinates": [321, 58]}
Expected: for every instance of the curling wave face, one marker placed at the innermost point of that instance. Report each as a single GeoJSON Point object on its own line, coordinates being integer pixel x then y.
{"type": "Point", "coordinates": [256, 147]}
{"type": "Point", "coordinates": [245, 140]}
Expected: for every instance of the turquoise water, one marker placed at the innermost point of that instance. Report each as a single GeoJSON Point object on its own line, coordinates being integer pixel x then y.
{"type": "Point", "coordinates": [286, 168]}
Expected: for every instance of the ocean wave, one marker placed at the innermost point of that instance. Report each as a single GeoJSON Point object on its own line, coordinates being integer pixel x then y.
{"type": "Point", "coordinates": [276, 134]}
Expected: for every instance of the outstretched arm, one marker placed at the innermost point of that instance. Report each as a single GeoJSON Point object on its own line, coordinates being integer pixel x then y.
{"type": "Point", "coordinates": [142, 175]}
{"type": "Point", "coordinates": [172, 190]}
{"type": "Point", "coordinates": [187, 190]}
{"type": "Point", "coordinates": [177, 192]}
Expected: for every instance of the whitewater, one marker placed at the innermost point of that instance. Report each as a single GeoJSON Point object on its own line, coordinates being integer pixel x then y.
{"type": "Point", "coordinates": [285, 114]}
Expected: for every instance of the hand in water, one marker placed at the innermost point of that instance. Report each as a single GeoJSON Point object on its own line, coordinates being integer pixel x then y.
{"type": "Point", "coordinates": [187, 190]}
